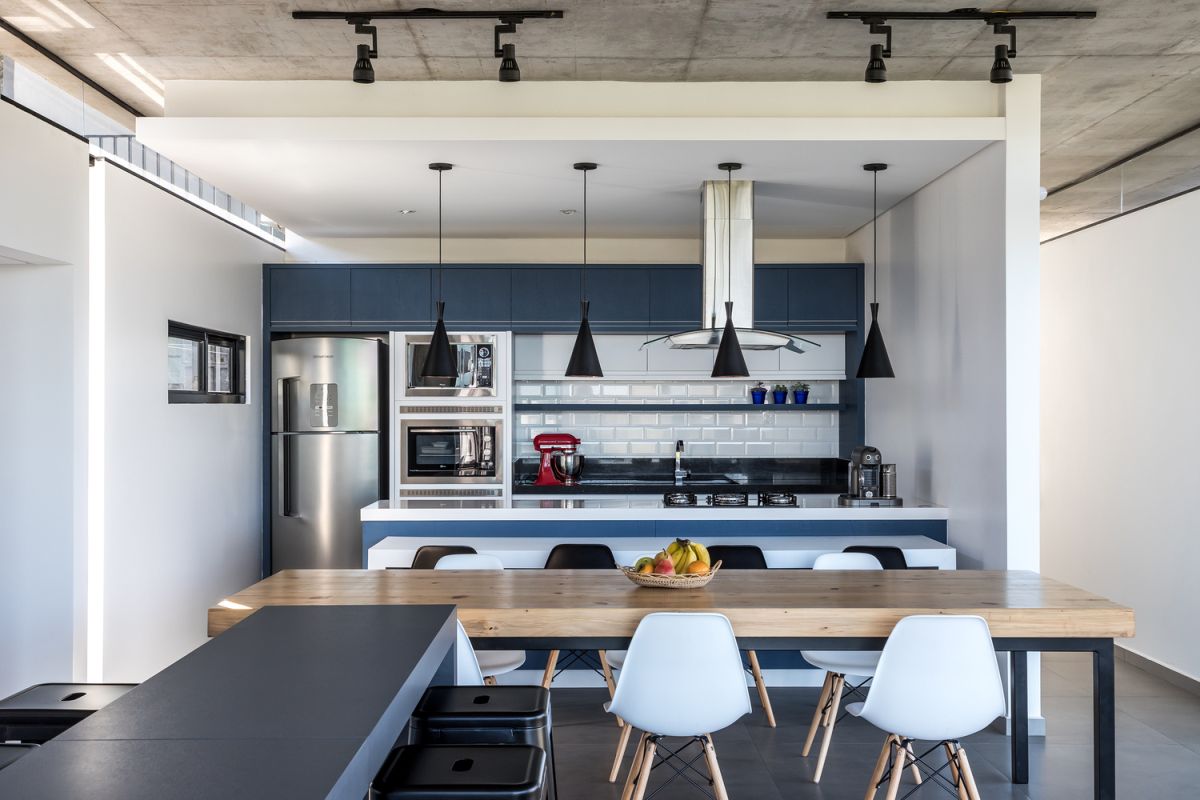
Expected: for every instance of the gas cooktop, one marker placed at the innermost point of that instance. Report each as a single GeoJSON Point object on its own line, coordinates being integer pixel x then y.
{"type": "Point", "coordinates": [682, 499]}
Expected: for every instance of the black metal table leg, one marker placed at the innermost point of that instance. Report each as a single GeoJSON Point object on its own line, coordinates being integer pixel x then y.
{"type": "Point", "coordinates": [1104, 722]}
{"type": "Point", "coordinates": [1019, 715]}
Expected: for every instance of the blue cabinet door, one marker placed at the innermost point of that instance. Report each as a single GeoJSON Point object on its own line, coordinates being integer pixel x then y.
{"type": "Point", "coordinates": [620, 298]}
{"type": "Point", "coordinates": [310, 295]}
{"type": "Point", "coordinates": [391, 296]}
{"type": "Point", "coordinates": [824, 296]}
{"type": "Point", "coordinates": [545, 299]}
{"type": "Point", "coordinates": [771, 296]}
{"type": "Point", "coordinates": [675, 297]}
{"type": "Point", "coordinates": [476, 297]}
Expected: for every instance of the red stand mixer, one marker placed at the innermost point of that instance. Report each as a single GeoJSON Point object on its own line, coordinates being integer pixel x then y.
{"type": "Point", "coordinates": [550, 445]}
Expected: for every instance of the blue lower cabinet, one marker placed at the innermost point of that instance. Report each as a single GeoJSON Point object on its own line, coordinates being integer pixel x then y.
{"type": "Point", "coordinates": [476, 297]}
{"type": "Point", "coordinates": [310, 295]}
{"type": "Point", "coordinates": [391, 295]}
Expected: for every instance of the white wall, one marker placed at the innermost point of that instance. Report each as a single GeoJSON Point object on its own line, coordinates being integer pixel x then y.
{"type": "Point", "coordinates": [45, 220]}
{"type": "Point", "coordinates": [1119, 386]}
{"type": "Point", "coordinates": [941, 295]}
{"type": "Point", "coordinates": [183, 498]}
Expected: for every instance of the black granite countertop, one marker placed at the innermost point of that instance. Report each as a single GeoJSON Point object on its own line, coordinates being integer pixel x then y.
{"type": "Point", "coordinates": [706, 475]}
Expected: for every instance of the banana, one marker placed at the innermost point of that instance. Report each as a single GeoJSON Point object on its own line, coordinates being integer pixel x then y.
{"type": "Point", "coordinates": [701, 553]}
{"type": "Point", "coordinates": [683, 560]}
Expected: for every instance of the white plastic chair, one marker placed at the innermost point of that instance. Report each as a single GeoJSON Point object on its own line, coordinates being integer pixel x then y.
{"type": "Point", "coordinates": [937, 680]}
{"type": "Point", "coordinates": [465, 662]}
{"type": "Point", "coordinates": [837, 665]}
{"type": "Point", "coordinates": [695, 655]}
{"type": "Point", "coordinates": [490, 662]}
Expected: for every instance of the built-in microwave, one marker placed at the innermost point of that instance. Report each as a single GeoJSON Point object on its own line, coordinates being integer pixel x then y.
{"type": "Point", "coordinates": [451, 451]}
{"type": "Point", "coordinates": [475, 357]}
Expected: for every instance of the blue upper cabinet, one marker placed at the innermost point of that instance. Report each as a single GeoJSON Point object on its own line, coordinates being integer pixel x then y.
{"type": "Point", "coordinates": [391, 296]}
{"type": "Point", "coordinates": [675, 297]}
{"type": "Point", "coordinates": [310, 295]}
{"type": "Point", "coordinates": [476, 297]}
{"type": "Point", "coordinates": [771, 296]}
{"type": "Point", "coordinates": [620, 298]}
{"type": "Point", "coordinates": [545, 298]}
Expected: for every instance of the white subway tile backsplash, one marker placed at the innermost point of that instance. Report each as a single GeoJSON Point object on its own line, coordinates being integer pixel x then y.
{"type": "Point", "coordinates": [759, 431]}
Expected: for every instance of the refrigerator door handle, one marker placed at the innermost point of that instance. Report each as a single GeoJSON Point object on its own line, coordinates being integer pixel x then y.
{"type": "Point", "coordinates": [287, 476]}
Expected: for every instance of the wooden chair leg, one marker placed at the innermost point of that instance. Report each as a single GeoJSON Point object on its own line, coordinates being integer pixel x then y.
{"type": "Point", "coordinates": [880, 765]}
{"type": "Point", "coordinates": [964, 766]}
{"type": "Point", "coordinates": [916, 773]}
{"type": "Point", "coordinates": [610, 682]}
{"type": "Point", "coordinates": [643, 779]}
{"type": "Point", "coordinates": [635, 767]}
{"type": "Point", "coordinates": [548, 675]}
{"type": "Point", "coordinates": [818, 714]}
{"type": "Point", "coordinates": [622, 743]}
{"type": "Point", "coordinates": [835, 694]}
{"type": "Point", "coordinates": [714, 769]}
{"type": "Point", "coordinates": [489, 680]}
{"type": "Point", "coordinates": [762, 687]}
{"type": "Point", "coordinates": [897, 758]}
{"type": "Point", "coordinates": [952, 759]}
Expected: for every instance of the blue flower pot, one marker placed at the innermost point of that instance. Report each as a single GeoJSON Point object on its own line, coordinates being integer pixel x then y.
{"type": "Point", "coordinates": [779, 397]}
{"type": "Point", "coordinates": [759, 396]}
{"type": "Point", "coordinates": [801, 397]}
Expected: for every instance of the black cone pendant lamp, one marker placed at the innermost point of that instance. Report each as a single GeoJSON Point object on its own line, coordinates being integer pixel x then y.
{"type": "Point", "coordinates": [440, 362]}
{"type": "Point", "coordinates": [584, 363]}
{"type": "Point", "coordinates": [730, 362]}
{"type": "Point", "coordinates": [875, 362]}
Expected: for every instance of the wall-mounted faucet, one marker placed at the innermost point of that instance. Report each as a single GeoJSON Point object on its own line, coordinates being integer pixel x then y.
{"type": "Point", "coordinates": [680, 472]}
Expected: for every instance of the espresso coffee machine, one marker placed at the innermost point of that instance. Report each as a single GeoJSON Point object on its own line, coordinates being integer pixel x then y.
{"type": "Point", "coordinates": [872, 483]}
{"type": "Point", "coordinates": [560, 464]}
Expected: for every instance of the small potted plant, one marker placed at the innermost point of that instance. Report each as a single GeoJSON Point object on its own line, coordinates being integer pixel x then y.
{"type": "Point", "coordinates": [800, 392]}
{"type": "Point", "coordinates": [779, 394]}
{"type": "Point", "coordinates": [758, 393]}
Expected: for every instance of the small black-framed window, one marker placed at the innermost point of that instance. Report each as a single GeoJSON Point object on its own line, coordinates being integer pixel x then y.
{"type": "Point", "coordinates": [205, 366]}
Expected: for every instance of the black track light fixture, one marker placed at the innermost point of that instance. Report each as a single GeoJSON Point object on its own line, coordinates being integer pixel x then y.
{"type": "Point", "coordinates": [585, 362]}
{"type": "Point", "coordinates": [875, 362]}
{"type": "Point", "coordinates": [361, 20]}
{"type": "Point", "coordinates": [999, 20]}
{"type": "Point", "coordinates": [364, 72]}
{"type": "Point", "coordinates": [439, 361]}
{"type": "Point", "coordinates": [730, 362]}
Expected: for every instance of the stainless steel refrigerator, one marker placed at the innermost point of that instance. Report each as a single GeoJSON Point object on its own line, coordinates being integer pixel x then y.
{"type": "Point", "coordinates": [325, 449]}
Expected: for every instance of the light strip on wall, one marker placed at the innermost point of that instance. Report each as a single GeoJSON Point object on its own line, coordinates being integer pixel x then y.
{"type": "Point", "coordinates": [117, 66]}
{"type": "Point", "coordinates": [95, 424]}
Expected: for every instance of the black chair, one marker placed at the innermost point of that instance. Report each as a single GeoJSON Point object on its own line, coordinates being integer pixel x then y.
{"type": "Point", "coordinates": [889, 557]}
{"type": "Point", "coordinates": [428, 555]}
{"type": "Point", "coordinates": [579, 556]}
{"type": "Point", "coordinates": [746, 556]}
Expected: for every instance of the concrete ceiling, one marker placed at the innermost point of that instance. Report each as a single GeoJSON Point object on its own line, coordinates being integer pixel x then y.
{"type": "Point", "coordinates": [1111, 85]}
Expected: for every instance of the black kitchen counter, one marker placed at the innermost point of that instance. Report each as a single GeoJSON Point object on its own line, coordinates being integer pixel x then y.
{"type": "Point", "coordinates": [656, 476]}
{"type": "Point", "coordinates": [294, 701]}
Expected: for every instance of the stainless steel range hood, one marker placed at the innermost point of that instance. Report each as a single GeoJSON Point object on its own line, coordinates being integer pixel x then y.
{"type": "Point", "coordinates": [729, 274]}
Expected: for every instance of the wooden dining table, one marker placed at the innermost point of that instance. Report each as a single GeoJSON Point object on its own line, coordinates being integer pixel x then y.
{"type": "Point", "coordinates": [775, 609]}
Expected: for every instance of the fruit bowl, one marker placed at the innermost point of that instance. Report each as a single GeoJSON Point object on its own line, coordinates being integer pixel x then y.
{"type": "Point", "coordinates": [657, 581]}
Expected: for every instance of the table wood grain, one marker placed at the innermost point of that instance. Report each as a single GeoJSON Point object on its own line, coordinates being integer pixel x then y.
{"type": "Point", "coordinates": [760, 603]}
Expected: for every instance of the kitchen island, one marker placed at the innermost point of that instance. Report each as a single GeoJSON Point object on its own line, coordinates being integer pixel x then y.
{"type": "Point", "coordinates": [531, 524]}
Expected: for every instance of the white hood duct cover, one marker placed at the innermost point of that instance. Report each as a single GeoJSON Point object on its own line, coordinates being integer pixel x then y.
{"type": "Point", "coordinates": [729, 274]}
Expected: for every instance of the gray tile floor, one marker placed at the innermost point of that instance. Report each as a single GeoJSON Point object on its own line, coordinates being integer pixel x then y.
{"type": "Point", "coordinates": [1158, 744]}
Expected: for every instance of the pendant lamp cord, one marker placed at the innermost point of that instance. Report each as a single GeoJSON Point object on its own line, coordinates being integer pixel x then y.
{"type": "Point", "coordinates": [439, 235]}
{"type": "Point", "coordinates": [585, 232]}
{"type": "Point", "coordinates": [875, 238]}
{"type": "Point", "coordinates": [729, 235]}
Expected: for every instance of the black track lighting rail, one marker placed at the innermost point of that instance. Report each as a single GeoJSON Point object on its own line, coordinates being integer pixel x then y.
{"type": "Point", "coordinates": [963, 14]}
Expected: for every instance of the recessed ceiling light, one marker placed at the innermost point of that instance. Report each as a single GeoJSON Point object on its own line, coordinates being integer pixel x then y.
{"type": "Point", "coordinates": [567, 211]}
{"type": "Point", "coordinates": [406, 211]}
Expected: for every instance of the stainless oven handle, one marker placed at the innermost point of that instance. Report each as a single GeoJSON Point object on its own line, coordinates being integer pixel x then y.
{"type": "Point", "coordinates": [474, 431]}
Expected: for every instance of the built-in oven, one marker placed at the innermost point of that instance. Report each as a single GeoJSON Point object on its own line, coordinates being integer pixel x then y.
{"type": "Point", "coordinates": [451, 451]}
{"type": "Point", "coordinates": [476, 371]}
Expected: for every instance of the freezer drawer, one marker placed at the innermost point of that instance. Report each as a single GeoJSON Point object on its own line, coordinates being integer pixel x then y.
{"type": "Point", "coordinates": [320, 482]}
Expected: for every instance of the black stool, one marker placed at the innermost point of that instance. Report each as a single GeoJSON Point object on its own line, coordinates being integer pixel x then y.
{"type": "Point", "coordinates": [11, 751]}
{"type": "Point", "coordinates": [45, 710]}
{"type": "Point", "coordinates": [472, 715]}
{"type": "Point", "coordinates": [462, 772]}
